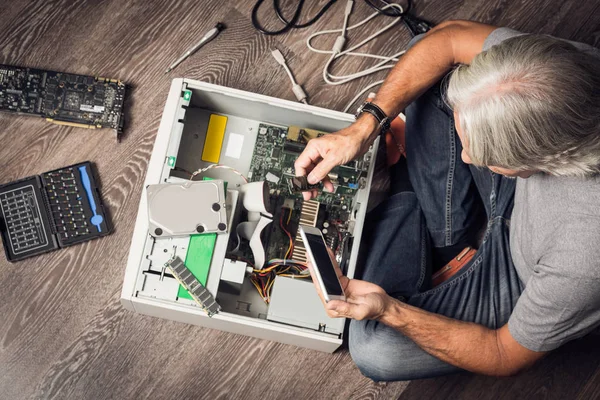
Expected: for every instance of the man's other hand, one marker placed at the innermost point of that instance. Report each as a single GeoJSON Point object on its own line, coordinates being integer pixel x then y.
{"type": "Point", "coordinates": [323, 154]}
{"type": "Point", "coordinates": [364, 300]}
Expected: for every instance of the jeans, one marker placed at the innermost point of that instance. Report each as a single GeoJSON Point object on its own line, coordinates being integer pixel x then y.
{"type": "Point", "coordinates": [439, 209]}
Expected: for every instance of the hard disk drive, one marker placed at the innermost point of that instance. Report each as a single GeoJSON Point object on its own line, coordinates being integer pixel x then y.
{"type": "Point", "coordinates": [179, 209]}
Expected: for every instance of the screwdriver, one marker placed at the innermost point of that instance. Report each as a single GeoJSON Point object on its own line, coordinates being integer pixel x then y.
{"type": "Point", "coordinates": [210, 35]}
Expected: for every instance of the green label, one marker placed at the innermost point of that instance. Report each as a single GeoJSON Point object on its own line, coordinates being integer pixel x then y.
{"type": "Point", "coordinates": [171, 161]}
{"type": "Point", "coordinates": [187, 95]}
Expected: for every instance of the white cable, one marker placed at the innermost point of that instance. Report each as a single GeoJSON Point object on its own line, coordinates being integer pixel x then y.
{"type": "Point", "coordinates": [347, 13]}
{"type": "Point", "coordinates": [211, 166]}
{"type": "Point", "coordinates": [337, 51]}
{"type": "Point", "coordinates": [296, 88]}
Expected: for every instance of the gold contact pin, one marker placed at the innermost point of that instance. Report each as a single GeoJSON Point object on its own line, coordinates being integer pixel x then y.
{"type": "Point", "coordinates": [70, 124]}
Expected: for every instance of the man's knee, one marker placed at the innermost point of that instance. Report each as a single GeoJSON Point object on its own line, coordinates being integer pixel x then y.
{"type": "Point", "coordinates": [384, 354]}
{"type": "Point", "coordinates": [374, 351]}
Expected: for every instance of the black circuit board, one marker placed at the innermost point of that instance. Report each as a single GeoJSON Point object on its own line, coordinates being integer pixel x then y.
{"type": "Point", "coordinates": [273, 161]}
{"type": "Point", "coordinates": [67, 99]}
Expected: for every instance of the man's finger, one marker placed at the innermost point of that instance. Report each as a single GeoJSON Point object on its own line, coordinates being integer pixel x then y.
{"type": "Point", "coordinates": [342, 309]}
{"type": "Point", "coordinates": [321, 170]}
{"type": "Point", "coordinates": [327, 185]}
{"type": "Point", "coordinates": [307, 160]}
{"type": "Point", "coordinates": [311, 194]}
{"type": "Point", "coordinates": [339, 308]}
{"type": "Point", "coordinates": [343, 278]}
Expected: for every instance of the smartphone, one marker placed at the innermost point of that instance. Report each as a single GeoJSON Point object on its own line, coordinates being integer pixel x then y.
{"type": "Point", "coordinates": [322, 264]}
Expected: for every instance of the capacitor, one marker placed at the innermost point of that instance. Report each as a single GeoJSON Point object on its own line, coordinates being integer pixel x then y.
{"type": "Point", "coordinates": [324, 231]}
{"type": "Point", "coordinates": [325, 224]}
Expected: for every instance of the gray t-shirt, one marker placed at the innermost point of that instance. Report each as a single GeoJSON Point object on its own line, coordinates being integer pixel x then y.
{"type": "Point", "coordinates": [555, 246]}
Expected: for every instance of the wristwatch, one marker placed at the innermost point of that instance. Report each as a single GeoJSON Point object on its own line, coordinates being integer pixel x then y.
{"type": "Point", "coordinates": [377, 112]}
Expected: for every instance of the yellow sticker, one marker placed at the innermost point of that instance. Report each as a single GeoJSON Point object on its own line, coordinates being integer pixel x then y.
{"type": "Point", "coordinates": [214, 138]}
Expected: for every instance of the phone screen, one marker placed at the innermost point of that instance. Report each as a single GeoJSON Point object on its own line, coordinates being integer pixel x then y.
{"type": "Point", "coordinates": [324, 265]}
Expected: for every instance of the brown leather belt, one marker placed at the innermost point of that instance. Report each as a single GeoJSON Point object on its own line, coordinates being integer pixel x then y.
{"type": "Point", "coordinates": [455, 265]}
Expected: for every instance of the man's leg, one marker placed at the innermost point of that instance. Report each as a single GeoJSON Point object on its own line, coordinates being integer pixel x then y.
{"type": "Point", "coordinates": [442, 182]}
{"type": "Point", "coordinates": [397, 228]}
{"type": "Point", "coordinates": [485, 291]}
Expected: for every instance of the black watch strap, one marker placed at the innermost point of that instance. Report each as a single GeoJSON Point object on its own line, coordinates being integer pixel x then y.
{"type": "Point", "coordinates": [378, 113]}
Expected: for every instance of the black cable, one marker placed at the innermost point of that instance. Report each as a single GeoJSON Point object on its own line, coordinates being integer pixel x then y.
{"type": "Point", "coordinates": [415, 25]}
{"type": "Point", "coordinates": [309, 22]}
{"type": "Point", "coordinates": [390, 12]}
{"type": "Point", "coordinates": [288, 24]}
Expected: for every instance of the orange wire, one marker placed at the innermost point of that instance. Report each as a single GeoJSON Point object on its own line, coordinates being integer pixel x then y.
{"type": "Point", "coordinates": [291, 246]}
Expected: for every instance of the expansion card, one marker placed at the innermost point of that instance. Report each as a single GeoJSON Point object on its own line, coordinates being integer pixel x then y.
{"type": "Point", "coordinates": [64, 99]}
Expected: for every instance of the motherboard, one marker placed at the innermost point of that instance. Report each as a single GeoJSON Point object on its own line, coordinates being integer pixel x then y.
{"type": "Point", "coordinates": [64, 99]}
{"type": "Point", "coordinates": [276, 150]}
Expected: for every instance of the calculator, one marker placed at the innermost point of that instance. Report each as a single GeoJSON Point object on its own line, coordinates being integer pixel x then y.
{"type": "Point", "coordinates": [56, 209]}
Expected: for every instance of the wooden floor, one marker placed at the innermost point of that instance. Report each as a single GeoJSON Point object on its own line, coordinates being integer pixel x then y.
{"type": "Point", "coordinates": [63, 332]}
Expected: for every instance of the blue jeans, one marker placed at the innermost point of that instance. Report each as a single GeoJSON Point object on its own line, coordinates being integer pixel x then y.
{"type": "Point", "coordinates": [439, 209]}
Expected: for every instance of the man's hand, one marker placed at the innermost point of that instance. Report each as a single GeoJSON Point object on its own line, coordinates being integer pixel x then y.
{"type": "Point", "coordinates": [323, 154]}
{"type": "Point", "coordinates": [364, 300]}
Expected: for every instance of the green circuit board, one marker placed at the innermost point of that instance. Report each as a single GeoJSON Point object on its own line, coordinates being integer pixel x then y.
{"type": "Point", "coordinates": [275, 153]}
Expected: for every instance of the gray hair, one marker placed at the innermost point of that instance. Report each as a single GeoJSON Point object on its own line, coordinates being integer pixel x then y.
{"type": "Point", "coordinates": [530, 103]}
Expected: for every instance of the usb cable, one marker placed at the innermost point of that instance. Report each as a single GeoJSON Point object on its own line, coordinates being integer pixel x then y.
{"type": "Point", "coordinates": [296, 88]}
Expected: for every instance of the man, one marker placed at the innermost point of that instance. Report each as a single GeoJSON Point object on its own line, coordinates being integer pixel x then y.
{"type": "Point", "coordinates": [524, 107]}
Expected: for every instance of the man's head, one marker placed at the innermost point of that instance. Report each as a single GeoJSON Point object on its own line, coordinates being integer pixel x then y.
{"type": "Point", "coordinates": [530, 104]}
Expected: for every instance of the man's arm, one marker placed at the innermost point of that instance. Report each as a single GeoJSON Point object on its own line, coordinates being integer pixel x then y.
{"type": "Point", "coordinates": [467, 345]}
{"type": "Point", "coordinates": [448, 44]}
